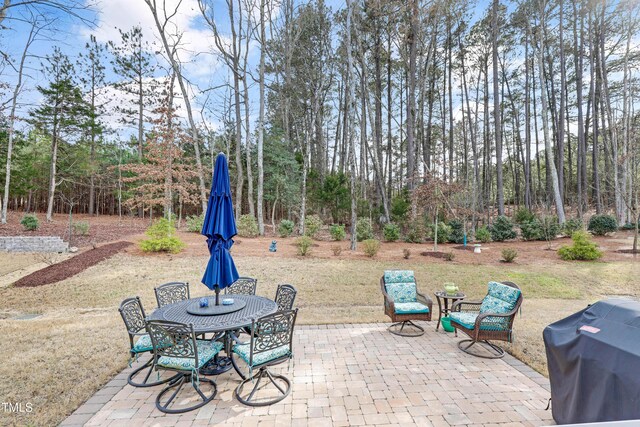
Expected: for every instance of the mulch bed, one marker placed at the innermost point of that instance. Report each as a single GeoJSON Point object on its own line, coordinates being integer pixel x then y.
{"type": "Point", "coordinates": [628, 251]}
{"type": "Point", "coordinates": [464, 248]}
{"type": "Point", "coordinates": [72, 266]}
{"type": "Point", "coordinates": [439, 255]}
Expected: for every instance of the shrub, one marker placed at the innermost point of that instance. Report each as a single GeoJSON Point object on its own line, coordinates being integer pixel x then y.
{"type": "Point", "coordinates": [364, 229]}
{"type": "Point", "coordinates": [304, 244]}
{"type": "Point", "coordinates": [582, 249]}
{"type": "Point", "coordinates": [285, 228]}
{"type": "Point", "coordinates": [602, 224]}
{"type": "Point", "coordinates": [449, 256]}
{"type": "Point", "coordinates": [406, 253]}
{"type": "Point", "coordinates": [30, 222]}
{"type": "Point", "coordinates": [483, 235]}
{"type": "Point", "coordinates": [400, 205]}
{"type": "Point", "coordinates": [549, 228]}
{"type": "Point", "coordinates": [524, 215]}
{"type": "Point", "coordinates": [628, 226]}
{"type": "Point", "coordinates": [415, 232]}
{"type": "Point", "coordinates": [531, 230]}
{"type": "Point", "coordinates": [457, 231]}
{"type": "Point", "coordinates": [337, 250]}
{"type": "Point", "coordinates": [195, 223]}
{"type": "Point", "coordinates": [312, 225]}
{"type": "Point", "coordinates": [80, 228]}
{"type": "Point", "coordinates": [571, 226]}
{"type": "Point", "coordinates": [370, 247]}
{"type": "Point", "coordinates": [161, 238]}
{"type": "Point", "coordinates": [247, 226]}
{"type": "Point", "coordinates": [337, 232]}
{"type": "Point", "coordinates": [502, 229]}
{"type": "Point", "coordinates": [391, 232]}
{"type": "Point", "coordinates": [443, 232]}
{"type": "Point", "coordinates": [508, 254]}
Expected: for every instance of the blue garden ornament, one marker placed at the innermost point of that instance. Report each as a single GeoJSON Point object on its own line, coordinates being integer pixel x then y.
{"type": "Point", "coordinates": [220, 227]}
{"type": "Point", "coordinates": [273, 247]}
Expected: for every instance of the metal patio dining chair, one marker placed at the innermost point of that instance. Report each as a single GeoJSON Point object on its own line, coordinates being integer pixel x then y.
{"type": "Point", "coordinates": [242, 286]}
{"type": "Point", "coordinates": [271, 344]}
{"type": "Point", "coordinates": [172, 292]}
{"type": "Point", "coordinates": [140, 342]}
{"type": "Point", "coordinates": [176, 349]}
{"type": "Point", "coordinates": [487, 320]}
{"type": "Point", "coordinates": [403, 303]}
{"type": "Point", "coordinates": [285, 296]}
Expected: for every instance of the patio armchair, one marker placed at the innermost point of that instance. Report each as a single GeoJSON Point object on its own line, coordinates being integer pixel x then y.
{"type": "Point", "coordinates": [176, 349]}
{"type": "Point", "coordinates": [171, 292]}
{"type": "Point", "coordinates": [403, 303]}
{"type": "Point", "coordinates": [242, 286]}
{"type": "Point", "coordinates": [139, 341]}
{"type": "Point", "coordinates": [271, 343]}
{"type": "Point", "coordinates": [487, 320]}
{"type": "Point", "coordinates": [285, 296]}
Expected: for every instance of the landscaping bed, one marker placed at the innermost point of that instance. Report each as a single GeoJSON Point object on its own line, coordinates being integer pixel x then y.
{"type": "Point", "coordinates": [72, 266]}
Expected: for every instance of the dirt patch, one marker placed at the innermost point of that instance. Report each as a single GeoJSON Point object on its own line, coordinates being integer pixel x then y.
{"type": "Point", "coordinates": [439, 255]}
{"type": "Point", "coordinates": [72, 266]}
{"type": "Point", "coordinates": [102, 229]}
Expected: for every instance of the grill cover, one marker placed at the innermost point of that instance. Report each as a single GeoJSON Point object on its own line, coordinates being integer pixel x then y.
{"type": "Point", "coordinates": [594, 363]}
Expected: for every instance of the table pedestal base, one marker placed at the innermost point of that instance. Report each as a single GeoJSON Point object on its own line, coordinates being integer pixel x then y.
{"type": "Point", "coordinates": [216, 366]}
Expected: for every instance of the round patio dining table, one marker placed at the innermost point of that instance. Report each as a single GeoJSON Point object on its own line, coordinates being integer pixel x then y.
{"type": "Point", "coordinates": [255, 307]}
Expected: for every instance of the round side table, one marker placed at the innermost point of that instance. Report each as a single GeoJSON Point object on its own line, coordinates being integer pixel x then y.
{"type": "Point", "coordinates": [443, 303]}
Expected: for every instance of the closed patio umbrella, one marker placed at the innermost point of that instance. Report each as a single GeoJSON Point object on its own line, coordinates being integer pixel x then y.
{"type": "Point", "coordinates": [219, 227]}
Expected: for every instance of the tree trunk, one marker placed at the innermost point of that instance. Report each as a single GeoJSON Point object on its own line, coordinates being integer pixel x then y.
{"type": "Point", "coordinates": [545, 121]}
{"type": "Point", "coordinates": [260, 147]}
{"type": "Point", "coordinates": [496, 108]}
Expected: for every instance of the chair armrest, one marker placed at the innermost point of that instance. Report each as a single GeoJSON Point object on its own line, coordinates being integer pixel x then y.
{"type": "Point", "coordinates": [483, 316]}
{"type": "Point", "coordinates": [457, 306]}
{"type": "Point", "coordinates": [425, 300]}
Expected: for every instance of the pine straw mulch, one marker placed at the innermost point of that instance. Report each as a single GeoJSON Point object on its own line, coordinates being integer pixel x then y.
{"type": "Point", "coordinates": [72, 266]}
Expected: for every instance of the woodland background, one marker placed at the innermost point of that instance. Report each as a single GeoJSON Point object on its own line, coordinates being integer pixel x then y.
{"type": "Point", "coordinates": [397, 111]}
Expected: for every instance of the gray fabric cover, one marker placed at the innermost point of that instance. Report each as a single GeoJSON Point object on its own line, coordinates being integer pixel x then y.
{"type": "Point", "coordinates": [595, 375]}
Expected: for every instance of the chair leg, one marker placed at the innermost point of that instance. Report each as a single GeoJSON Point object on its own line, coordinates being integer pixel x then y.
{"type": "Point", "coordinates": [494, 352]}
{"type": "Point", "coordinates": [264, 373]}
{"type": "Point", "coordinates": [398, 329]}
{"type": "Point", "coordinates": [177, 384]}
{"type": "Point", "coordinates": [146, 370]}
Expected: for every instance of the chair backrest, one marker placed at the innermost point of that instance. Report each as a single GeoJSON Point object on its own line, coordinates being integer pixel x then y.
{"type": "Point", "coordinates": [400, 285]}
{"type": "Point", "coordinates": [242, 286]}
{"type": "Point", "coordinates": [273, 331]}
{"type": "Point", "coordinates": [171, 292]}
{"type": "Point", "coordinates": [501, 298]}
{"type": "Point", "coordinates": [173, 339]}
{"type": "Point", "coordinates": [133, 315]}
{"type": "Point", "coordinates": [285, 296]}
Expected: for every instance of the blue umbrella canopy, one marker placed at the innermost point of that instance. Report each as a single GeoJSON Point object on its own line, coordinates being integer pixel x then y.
{"type": "Point", "coordinates": [219, 227]}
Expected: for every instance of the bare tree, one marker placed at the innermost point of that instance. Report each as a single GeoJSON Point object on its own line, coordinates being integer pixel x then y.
{"type": "Point", "coordinates": [38, 23]}
{"type": "Point", "coordinates": [162, 18]}
{"type": "Point", "coordinates": [231, 56]}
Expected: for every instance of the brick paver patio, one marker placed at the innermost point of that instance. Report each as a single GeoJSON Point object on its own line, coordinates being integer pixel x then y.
{"type": "Point", "coordinates": [355, 375]}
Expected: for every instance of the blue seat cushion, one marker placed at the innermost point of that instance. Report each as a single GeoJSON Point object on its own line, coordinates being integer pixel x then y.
{"type": "Point", "coordinates": [399, 276]}
{"type": "Point", "coordinates": [500, 299]}
{"type": "Point", "coordinates": [468, 320]}
{"type": "Point", "coordinates": [402, 292]}
{"type": "Point", "coordinates": [142, 344]}
{"type": "Point", "coordinates": [206, 350]}
{"type": "Point", "coordinates": [410, 308]}
{"type": "Point", "coordinates": [243, 350]}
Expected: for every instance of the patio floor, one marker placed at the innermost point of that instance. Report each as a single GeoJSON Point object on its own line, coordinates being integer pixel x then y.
{"type": "Point", "coordinates": [355, 375]}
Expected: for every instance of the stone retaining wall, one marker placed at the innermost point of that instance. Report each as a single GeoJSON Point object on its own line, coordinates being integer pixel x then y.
{"type": "Point", "coordinates": [33, 244]}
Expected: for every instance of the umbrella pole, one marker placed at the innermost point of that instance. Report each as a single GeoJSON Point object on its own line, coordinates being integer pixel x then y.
{"type": "Point", "coordinates": [217, 289]}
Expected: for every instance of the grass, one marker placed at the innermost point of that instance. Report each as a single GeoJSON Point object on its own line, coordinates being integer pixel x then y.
{"type": "Point", "coordinates": [58, 360]}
